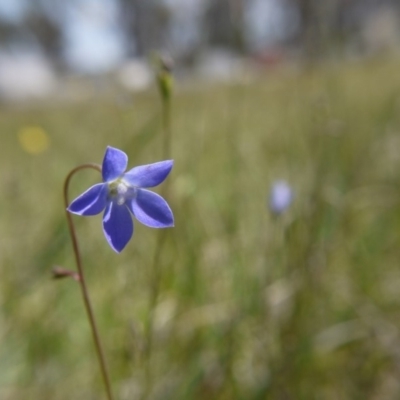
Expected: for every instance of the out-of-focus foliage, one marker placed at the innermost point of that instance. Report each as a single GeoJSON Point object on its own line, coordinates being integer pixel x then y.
{"type": "Point", "coordinates": [251, 306]}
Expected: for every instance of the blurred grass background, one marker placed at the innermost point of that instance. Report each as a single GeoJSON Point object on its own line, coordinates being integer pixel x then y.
{"type": "Point", "coordinates": [250, 306]}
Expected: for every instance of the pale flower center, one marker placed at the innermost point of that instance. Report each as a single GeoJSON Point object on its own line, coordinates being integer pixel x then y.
{"type": "Point", "coordinates": [120, 191]}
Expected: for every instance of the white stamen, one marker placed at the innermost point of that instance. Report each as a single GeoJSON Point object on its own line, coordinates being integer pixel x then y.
{"type": "Point", "coordinates": [121, 191]}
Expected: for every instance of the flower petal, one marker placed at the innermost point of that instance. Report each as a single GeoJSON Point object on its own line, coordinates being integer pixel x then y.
{"type": "Point", "coordinates": [117, 226]}
{"type": "Point", "coordinates": [151, 209]}
{"type": "Point", "coordinates": [149, 175]}
{"type": "Point", "coordinates": [114, 164]}
{"type": "Point", "coordinates": [91, 202]}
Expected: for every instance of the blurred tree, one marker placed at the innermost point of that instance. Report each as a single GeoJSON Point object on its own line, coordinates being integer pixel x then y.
{"type": "Point", "coordinates": [324, 26]}
{"type": "Point", "coordinates": [34, 25]}
{"type": "Point", "coordinates": [8, 31]}
{"type": "Point", "coordinates": [224, 24]}
{"type": "Point", "coordinates": [330, 25]}
{"type": "Point", "coordinates": [319, 25]}
{"type": "Point", "coordinates": [47, 33]}
{"type": "Point", "coordinates": [145, 24]}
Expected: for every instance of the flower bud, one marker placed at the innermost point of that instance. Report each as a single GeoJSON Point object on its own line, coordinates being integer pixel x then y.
{"type": "Point", "coordinates": [281, 197]}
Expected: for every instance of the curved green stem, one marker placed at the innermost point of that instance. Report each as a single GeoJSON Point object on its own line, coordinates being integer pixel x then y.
{"type": "Point", "coordinates": [82, 282]}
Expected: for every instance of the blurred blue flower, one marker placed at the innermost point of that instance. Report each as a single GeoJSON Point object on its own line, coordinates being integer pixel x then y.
{"type": "Point", "coordinates": [122, 194]}
{"type": "Point", "coordinates": [281, 197]}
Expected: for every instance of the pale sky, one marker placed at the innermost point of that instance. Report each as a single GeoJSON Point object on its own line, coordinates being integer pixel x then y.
{"type": "Point", "coordinates": [12, 10]}
{"type": "Point", "coordinates": [93, 42]}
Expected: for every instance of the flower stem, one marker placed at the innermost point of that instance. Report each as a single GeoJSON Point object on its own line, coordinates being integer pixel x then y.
{"type": "Point", "coordinates": [82, 282]}
{"type": "Point", "coordinates": [165, 81]}
{"type": "Point", "coordinates": [166, 120]}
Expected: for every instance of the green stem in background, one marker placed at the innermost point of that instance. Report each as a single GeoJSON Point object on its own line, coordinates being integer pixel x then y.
{"type": "Point", "coordinates": [166, 124]}
{"type": "Point", "coordinates": [82, 282]}
{"type": "Point", "coordinates": [165, 82]}
{"type": "Point", "coordinates": [165, 86]}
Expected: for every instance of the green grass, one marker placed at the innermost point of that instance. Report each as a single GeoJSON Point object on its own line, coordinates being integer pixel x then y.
{"type": "Point", "coordinates": [306, 306]}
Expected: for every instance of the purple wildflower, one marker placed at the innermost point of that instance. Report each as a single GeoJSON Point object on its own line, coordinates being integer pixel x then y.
{"type": "Point", "coordinates": [281, 197]}
{"type": "Point", "coordinates": [123, 194]}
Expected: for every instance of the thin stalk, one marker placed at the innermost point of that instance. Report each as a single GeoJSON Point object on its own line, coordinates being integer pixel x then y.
{"type": "Point", "coordinates": [82, 281]}
{"type": "Point", "coordinates": [166, 126]}
{"type": "Point", "coordinates": [160, 242]}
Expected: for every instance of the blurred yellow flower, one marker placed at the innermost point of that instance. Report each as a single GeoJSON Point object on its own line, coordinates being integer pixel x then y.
{"type": "Point", "coordinates": [33, 139]}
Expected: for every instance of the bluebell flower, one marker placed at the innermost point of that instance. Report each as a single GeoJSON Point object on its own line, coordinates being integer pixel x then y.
{"type": "Point", "coordinates": [123, 194]}
{"type": "Point", "coordinates": [281, 197]}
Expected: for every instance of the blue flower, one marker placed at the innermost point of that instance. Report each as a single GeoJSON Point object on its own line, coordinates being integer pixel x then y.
{"type": "Point", "coordinates": [123, 194]}
{"type": "Point", "coordinates": [281, 197]}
